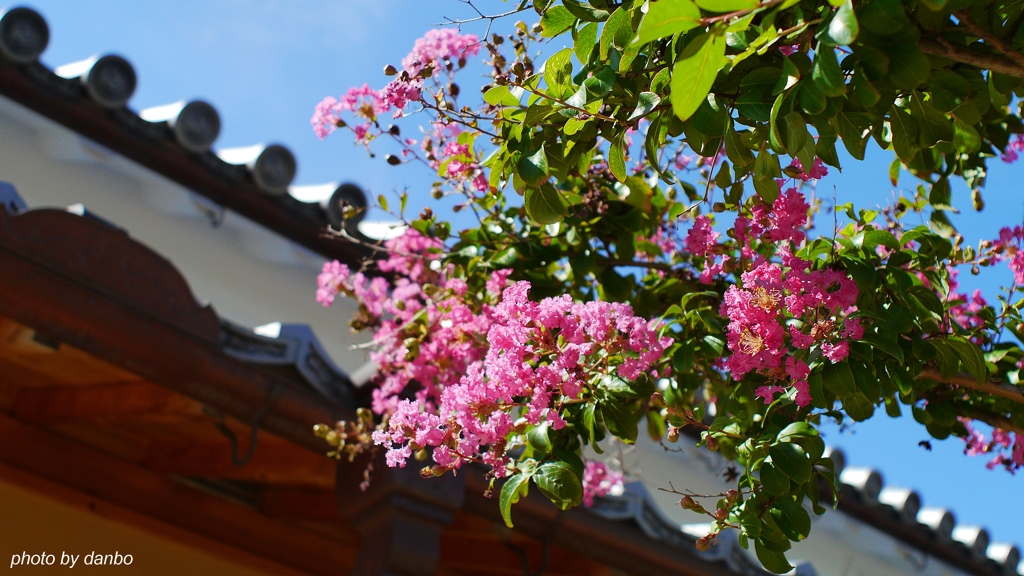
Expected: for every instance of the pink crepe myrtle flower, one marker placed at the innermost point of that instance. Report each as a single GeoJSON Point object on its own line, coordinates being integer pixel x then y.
{"type": "Point", "coordinates": [1013, 149]}
{"type": "Point", "coordinates": [817, 172]}
{"type": "Point", "coordinates": [455, 389]}
{"type": "Point", "coordinates": [599, 480]}
{"type": "Point", "coordinates": [437, 46]}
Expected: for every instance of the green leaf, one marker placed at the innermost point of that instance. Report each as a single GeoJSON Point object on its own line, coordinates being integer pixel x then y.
{"type": "Point", "coordinates": [617, 157]}
{"type": "Point", "coordinates": [695, 73]}
{"type": "Point", "coordinates": [773, 479]}
{"type": "Point", "coordinates": [855, 138]}
{"type": "Point", "coordinates": [727, 5]}
{"type": "Point", "coordinates": [904, 133]}
{"type": "Point", "coordinates": [533, 169]}
{"type": "Point", "coordinates": [797, 430]}
{"type": "Point", "coordinates": [859, 407]}
{"type": "Point", "coordinates": [646, 102]}
{"type": "Point", "coordinates": [792, 460]}
{"type": "Point", "coordinates": [619, 19]}
{"type": "Point", "coordinates": [560, 483]}
{"type": "Point", "coordinates": [558, 70]}
{"type": "Point", "coordinates": [965, 137]}
{"type": "Point", "coordinates": [515, 488]}
{"type": "Point", "coordinates": [555, 21]}
{"type": "Point", "coordinates": [666, 18]}
{"type": "Point", "coordinates": [739, 154]}
{"type": "Point", "coordinates": [503, 95]}
{"type": "Point", "coordinates": [586, 39]}
{"type": "Point", "coordinates": [538, 438]}
{"type": "Point", "coordinates": [584, 11]}
{"type": "Point", "coordinates": [545, 204]}
{"type": "Point", "coordinates": [826, 73]}
{"type": "Point", "coordinates": [843, 29]}
{"type": "Point", "coordinates": [971, 357]}
{"type": "Point", "coordinates": [838, 379]}
{"type": "Point", "coordinates": [622, 420]}
{"type": "Point", "coordinates": [773, 561]}
{"type": "Point", "coordinates": [792, 519]}
{"type": "Point", "coordinates": [883, 16]}
{"type": "Point", "coordinates": [642, 387]}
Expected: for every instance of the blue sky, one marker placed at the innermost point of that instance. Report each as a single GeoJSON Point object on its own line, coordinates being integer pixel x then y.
{"type": "Point", "coordinates": [264, 64]}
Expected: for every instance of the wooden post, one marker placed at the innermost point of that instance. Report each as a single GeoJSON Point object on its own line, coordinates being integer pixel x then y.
{"type": "Point", "coordinates": [400, 516]}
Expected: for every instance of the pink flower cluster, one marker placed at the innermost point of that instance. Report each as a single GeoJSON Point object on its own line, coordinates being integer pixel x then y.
{"type": "Point", "coordinates": [1007, 447]}
{"type": "Point", "coordinates": [538, 355]}
{"type": "Point", "coordinates": [434, 50]}
{"type": "Point", "coordinates": [1013, 149]}
{"type": "Point", "coordinates": [463, 376]}
{"type": "Point", "coordinates": [440, 45]}
{"type": "Point", "coordinates": [599, 480]}
{"type": "Point", "coordinates": [1010, 246]}
{"type": "Point", "coordinates": [783, 221]}
{"type": "Point", "coordinates": [770, 296]}
{"type": "Point", "coordinates": [701, 242]}
{"type": "Point", "coordinates": [817, 172]}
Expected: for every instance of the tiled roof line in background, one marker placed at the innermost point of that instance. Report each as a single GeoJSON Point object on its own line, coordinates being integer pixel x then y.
{"type": "Point", "coordinates": [90, 97]}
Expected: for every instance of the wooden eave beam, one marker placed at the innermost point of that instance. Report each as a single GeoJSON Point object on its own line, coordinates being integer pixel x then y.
{"type": "Point", "coordinates": [57, 459]}
{"type": "Point", "coordinates": [120, 401]}
{"type": "Point", "coordinates": [118, 332]}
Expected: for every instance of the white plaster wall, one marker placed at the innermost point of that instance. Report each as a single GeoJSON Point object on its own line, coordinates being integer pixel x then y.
{"type": "Point", "coordinates": [250, 275]}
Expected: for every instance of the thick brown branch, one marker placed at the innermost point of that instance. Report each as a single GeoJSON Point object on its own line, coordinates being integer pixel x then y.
{"type": "Point", "coordinates": [999, 389]}
{"type": "Point", "coordinates": [996, 421]}
{"type": "Point", "coordinates": [989, 37]}
{"type": "Point", "coordinates": [967, 55]}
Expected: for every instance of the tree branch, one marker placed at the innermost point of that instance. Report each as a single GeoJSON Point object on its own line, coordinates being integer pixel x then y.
{"type": "Point", "coordinates": [996, 421]}
{"type": "Point", "coordinates": [989, 37]}
{"type": "Point", "coordinates": [992, 387]}
{"type": "Point", "coordinates": [967, 55]}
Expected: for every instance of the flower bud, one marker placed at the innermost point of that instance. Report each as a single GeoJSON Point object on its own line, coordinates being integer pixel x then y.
{"type": "Point", "coordinates": [977, 200]}
{"type": "Point", "coordinates": [421, 455]}
{"type": "Point", "coordinates": [390, 70]}
{"type": "Point", "coordinates": [975, 270]}
{"type": "Point", "coordinates": [657, 400]}
{"type": "Point", "coordinates": [393, 160]}
{"type": "Point", "coordinates": [673, 434]}
{"type": "Point", "coordinates": [732, 496]}
{"type": "Point", "coordinates": [689, 503]}
{"type": "Point", "coordinates": [721, 514]}
{"type": "Point", "coordinates": [426, 473]}
{"type": "Point", "coordinates": [718, 207]}
{"type": "Point", "coordinates": [712, 444]}
{"type": "Point", "coordinates": [703, 543]}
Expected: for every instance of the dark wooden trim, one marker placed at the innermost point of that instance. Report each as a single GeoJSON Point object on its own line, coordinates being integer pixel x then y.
{"type": "Point", "coordinates": [108, 478]}
{"type": "Point", "coordinates": [76, 304]}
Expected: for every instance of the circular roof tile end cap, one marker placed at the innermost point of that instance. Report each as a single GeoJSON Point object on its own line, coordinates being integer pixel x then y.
{"type": "Point", "coordinates": [974, 537]}
{"type": "Point", "coordinates": [196, 127]}
{"type": "Point", "coordinates": [866, 481]}
{"type": "Point", "coordinates": [837, 456]}
{"type": "Point", "coordinates": [274, 169]}
{"type": "Point", "coordinates": [904, 501]}
{"type": "Point", "coordinates": [24, 34]}
{"type": "Point", "coordinates": [350, 195]}
{"type": "Point", "coordinates": [1006, 555]}
{"type": "Point", "coordinates": [939, 520]}
{"type": "Point", "coordinates": [109, 80]}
